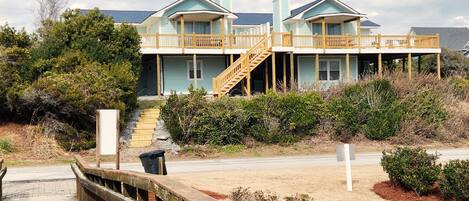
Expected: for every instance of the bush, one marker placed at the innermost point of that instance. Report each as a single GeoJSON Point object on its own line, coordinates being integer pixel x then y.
{"type": "Point", "coordinates": [179, 114]}
{"type": "Point", "coordinates": [6, 147]}
{"type": "Point", "coordinates": [371, 108]}
{"type": "Point", "coordinates": [454, 183]}
{"type": "Point", "coordinates": [412, 169]}
{"type": "Point", "coordinates": [220, 122]}
{"type": "Point", "coordinates": [284, 119]}
{"type": "Point", "coordinates": [460, 87]}
{"type": "Point", "coordinates": [383, 123]}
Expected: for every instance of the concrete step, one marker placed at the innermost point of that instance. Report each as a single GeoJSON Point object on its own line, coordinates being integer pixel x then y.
{"type": "Point", "coordinates": [145, 126]}
{"type": "Point", "coordinates": [142, 138]}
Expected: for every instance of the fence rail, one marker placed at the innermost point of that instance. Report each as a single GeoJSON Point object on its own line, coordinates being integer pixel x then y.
{"type": "Point", "coordinates": [285, 39]}
{"type": "Point", "coordinates": [104, 184]}
{"type": "Point", "coordinates": [3, 171]}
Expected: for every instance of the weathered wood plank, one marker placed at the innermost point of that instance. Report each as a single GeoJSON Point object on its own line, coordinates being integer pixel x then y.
{"type": "Point", "coordinates": [133, 185]}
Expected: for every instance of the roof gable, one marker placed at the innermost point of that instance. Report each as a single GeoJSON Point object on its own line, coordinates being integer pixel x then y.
{"type": "Point", "coordinates": [319, 7]}
{"type": "Point", "coordinates": [191, 5]}
{"type": "Point", "coordinates": [369, 23]}
{"type": "Point", "coordinates": [326, 7]}
{"type": "Point", "coordinates": [454, 38]}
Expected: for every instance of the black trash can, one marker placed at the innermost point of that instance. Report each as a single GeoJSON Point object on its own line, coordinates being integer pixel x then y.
{"type": "Point", "coordinates": [154, 162]}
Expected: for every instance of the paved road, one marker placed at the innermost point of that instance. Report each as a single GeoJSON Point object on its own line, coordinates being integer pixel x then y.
{"type": "Point", "coordinates": [64, 171]}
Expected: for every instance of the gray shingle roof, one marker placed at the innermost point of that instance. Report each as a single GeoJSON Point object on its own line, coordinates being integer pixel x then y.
{"type": "Point", "coordinates": [253, 18]}
{"type": "Point", "coordinates": [125, 16]}
{"type": "Point", "coordinates": [454, 38]}
{"type": "Point", "coordinates": [369, 23]}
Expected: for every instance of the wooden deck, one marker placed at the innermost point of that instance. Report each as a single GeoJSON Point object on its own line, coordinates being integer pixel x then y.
{"type": "Point", "coordinates": [232, 41]}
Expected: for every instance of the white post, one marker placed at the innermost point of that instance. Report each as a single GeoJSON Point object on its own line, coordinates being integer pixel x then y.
{"type": "Point", "coordinates": [194, 60]}
{"type": "Point", "coordinates": [348, 166]}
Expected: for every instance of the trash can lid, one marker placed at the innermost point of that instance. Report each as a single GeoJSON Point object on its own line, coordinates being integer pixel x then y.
{"type": "Point", "coordinates": [153, 154]}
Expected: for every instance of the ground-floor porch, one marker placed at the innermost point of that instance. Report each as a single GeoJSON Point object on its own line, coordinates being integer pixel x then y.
{"type": "Point", "coordinates": [163, 74]}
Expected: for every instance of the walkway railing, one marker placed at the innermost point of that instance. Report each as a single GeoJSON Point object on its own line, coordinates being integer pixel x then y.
{"type": "Point", "coordinates": [285, 39]}
{"type": "Point", "coordinates": [104, 184]}
{"type": "Point", "coordinates": [3, 171]}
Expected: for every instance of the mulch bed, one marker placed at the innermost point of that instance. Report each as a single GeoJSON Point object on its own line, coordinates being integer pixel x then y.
{"type": "Point", "coordinates": [216, 196]}
{"type": "Point", "coordinates": [389, 191]}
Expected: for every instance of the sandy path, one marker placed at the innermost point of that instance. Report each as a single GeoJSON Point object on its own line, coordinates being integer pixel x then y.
{"type": "Point", "coordinates": [322, 183]}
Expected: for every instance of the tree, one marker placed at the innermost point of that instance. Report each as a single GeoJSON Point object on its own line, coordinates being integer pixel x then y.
{"type": "Point", "coordinates": [50, 9]}
{"type": "Point", "coordinates": [453, 63]}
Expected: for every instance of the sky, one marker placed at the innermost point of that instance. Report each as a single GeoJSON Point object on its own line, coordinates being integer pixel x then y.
{"type": "Point", "coordinates": [395, 16]}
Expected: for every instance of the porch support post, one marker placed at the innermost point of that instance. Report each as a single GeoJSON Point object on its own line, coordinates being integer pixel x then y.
{"type": "Point", "coordinates": [324, 33]}
{"type": "Point", "coordinates": [248, 78]}
{"type": "Point", "coordinates": [223, 33]}
{"type": "Point", "coordinates": [182, 33]}
{"type": "Point", "coordinates": [317, 72]}
{"type": "Point", "coordinates": [284, 73]}
{"type": "Point", "coordinates": [347, 67]}
{"type": "Point", "coordinates": [380, 66]}
{"type": "Point", "coordinates": [438, 66]}
{"type": "Point", "coordinates": [359, 33]}
{"type": "Point", "coordinates": [292, 70]}
{"type": "Point", "coordinates": [274, 75]}
{"type": "Point", "coordinates": [266, 75]}
{"type": "Point", "coordinates": [158, 75]}
{"type": "Point", "coordinates": [194, 61]}
{"type": "Point", "coordinates": [409, 65]}
{"type": "Point", "coordinates": [231, 59]}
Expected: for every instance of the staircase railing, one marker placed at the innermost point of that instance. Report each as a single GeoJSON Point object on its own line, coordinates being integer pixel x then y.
{"type": "Point", "coordinates": [3, 171]}
{"type": "Point", "coordinates": [119, 185]}
{"type": "Point", "coordinates": [243, 63]}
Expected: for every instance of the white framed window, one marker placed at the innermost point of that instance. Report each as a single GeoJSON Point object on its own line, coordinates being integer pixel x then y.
{"type": "Point", "coordinates": [329, 69]}
{"type": "Point", "coordinates": [190, 70]}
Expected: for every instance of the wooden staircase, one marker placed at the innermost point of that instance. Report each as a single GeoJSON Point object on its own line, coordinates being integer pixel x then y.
{"type": "Point", "coordinates": [142, 135]}
{"type": "Point", "coordinates": [242, 68]}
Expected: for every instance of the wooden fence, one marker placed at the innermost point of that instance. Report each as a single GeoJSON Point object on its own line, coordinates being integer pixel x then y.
{"type": "Point", "coordinates": [3, 171]}
{"type": "Point", "coordinates": [105, 184]}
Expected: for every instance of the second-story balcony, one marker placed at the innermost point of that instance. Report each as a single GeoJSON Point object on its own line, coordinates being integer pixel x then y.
{"type": "Point", "coordinates": [288, 40]}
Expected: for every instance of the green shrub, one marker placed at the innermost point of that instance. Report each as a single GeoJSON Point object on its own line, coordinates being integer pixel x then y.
{"type": "Point", "coordinates": [344, 116]}
{"type": "Point", "coordinates": [262, 111]}
{"type": "Point", "coordinates": [284, 119]}
{"type": "Point", "coordinates": [428, 106]}
{"type": "Point", "coordinates": [461, 87]}
{"type": "Point", "coordinates": [371, 108]}
{"type": "Point", "coordinates": [454, 183]}
{"type": "Point", "coordinates": [179, 114]}
{"type": "Point", "coordinates": [220, 122]}
{"type": "Point", "coordinates": [383, 123]}
{"type": "Point", "coordinates": [412, 169]}
{"type": "Point", "coordinates": [6, 147]}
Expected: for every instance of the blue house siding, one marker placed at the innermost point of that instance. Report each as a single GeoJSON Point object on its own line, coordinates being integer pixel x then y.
{"type": "Point", "coordinates": [176, 76]}
{"type": "Point", "coordinates": [307, 70]}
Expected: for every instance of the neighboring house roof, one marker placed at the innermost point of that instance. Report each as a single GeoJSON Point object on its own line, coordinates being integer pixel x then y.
{"type": "Point", "coordinates": [369, 23]}
{"type": "Point", "coordinates": [307, 7]}
{"type": "Point", "coordinates": [253, 18]}
{"type": "Point", "coordinates": [124, 16]}
{"type": "Point", "coordinates": [454, 38]}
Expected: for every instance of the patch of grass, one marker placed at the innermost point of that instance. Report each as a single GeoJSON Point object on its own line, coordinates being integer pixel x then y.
{"type": "Point", "coordinates": [6, 147]}
{"type": "Point", "coordinates": [149, 104]}
{"type": "Point", "coordinates": [231, 149]}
